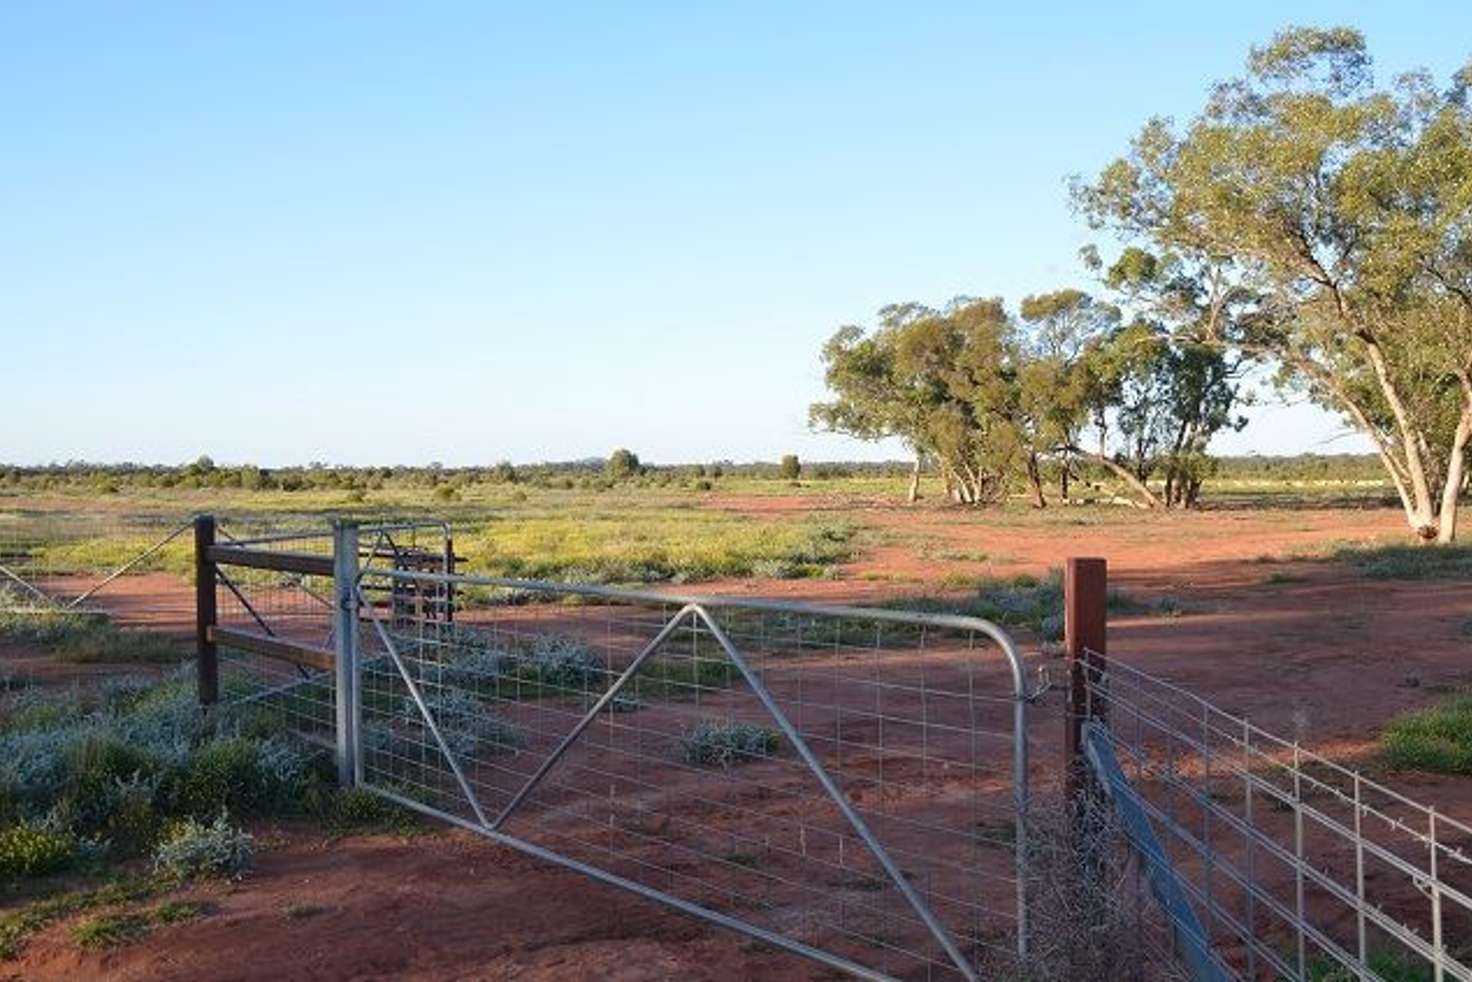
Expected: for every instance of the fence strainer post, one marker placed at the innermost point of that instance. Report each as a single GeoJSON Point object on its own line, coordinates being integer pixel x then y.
{"type": "Point", "coordinates": [345, 647]}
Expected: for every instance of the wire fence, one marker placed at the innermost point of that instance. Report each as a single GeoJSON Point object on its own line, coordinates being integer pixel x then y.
{"type": "Point", "coordinates": [274, 617]}
{"type": "Point", "coordinates": [838, 783]}
{"type": "Point", "coordinates": [1283, 864]}
{"type": "Point", "coordinates": [135, 567]}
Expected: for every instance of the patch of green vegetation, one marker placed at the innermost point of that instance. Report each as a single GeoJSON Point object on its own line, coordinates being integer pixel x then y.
{"type": "Point", "coordinates": [111, 930]}
{"type": "Point", "coordinates": [1032, 602]}
{"type": "Point", "coordinates": [1437, 738]}
{"type": "Point", "coordinates": [1402, 562]}
{"type": "Point", "coordinates": [1387, 965]}
{"type": "Point", "coordinates": [19, 923]}
{"type": "Point", "coordinates": [193, 849]}
{"type": "Point", "coordinates": [1283, 578]}
{"type": "Point", "coordinates": [302, 911]}
{"type": "Point", "coordinates": [82, 637]}
{"type": "Point", "coordinates": [655, 545]}
{"type": "Point", "coordinates": [360, 810]}
{"type": "Point", "coordinates": [30, 850]}
{"type": "Point", "coordinates": [178, 911]}
{"type": "Point", "coordinates": [724, 743]}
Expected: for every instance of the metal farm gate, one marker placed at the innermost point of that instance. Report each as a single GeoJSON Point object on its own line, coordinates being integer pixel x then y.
{"type": "Point", "coordinates": [850, 785]}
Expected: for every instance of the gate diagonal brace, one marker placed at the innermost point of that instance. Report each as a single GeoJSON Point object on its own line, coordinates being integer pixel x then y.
{"type": "Point", "coordinates": [1164, 883]}
{"type": "Point", "coordinates": [830, 787]}
{"type": "Point", "coordinates": [429, 721]}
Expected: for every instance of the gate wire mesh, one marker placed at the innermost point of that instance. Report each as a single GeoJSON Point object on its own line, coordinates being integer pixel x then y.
{"type": "Point", "coordinates": [1294, 866]}
{"type": "Point", "coordinates": [684, 784]}
{"type": "Point", "coordinates": [297, 608]}
{"type": "Point", "coordinates": [134, 567]}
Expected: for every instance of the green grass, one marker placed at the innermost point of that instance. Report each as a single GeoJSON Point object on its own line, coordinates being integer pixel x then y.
{"type": "Point", "coordinates": [1033, 602]}
{"type": "Point", "coordinates": [20, 922]}
{"type": "Point", "coordinates": [1403, 562]}
{"type": "Point", "coordinates": [89, 638]}
{"type": "Point", "coordinates": [1391, 966]}
{"type": "Point", "coordinates": [111, 930]}
{"type": "Point", "coordinates": [1437, 738]}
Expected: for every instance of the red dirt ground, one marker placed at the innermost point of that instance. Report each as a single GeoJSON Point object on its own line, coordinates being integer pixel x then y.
{"type": "Point", "coordinates": [1326, 657]}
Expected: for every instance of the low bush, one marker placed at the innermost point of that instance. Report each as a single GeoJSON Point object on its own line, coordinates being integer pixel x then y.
{"type": "Point", "coordinates": [27, 850]}
{"type": "Point", "coordinates": [724, 743]}
{"type": "Point", "coordinates": [192, 849]}
{"type": "Point", "coordinates": [1437, 738]}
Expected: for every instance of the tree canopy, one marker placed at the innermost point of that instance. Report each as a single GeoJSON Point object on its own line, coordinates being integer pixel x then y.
{"type": "Point", "coordinates": [1322, 223]}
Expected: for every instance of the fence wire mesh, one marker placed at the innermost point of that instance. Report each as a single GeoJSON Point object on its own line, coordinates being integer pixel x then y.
{"type": "Point", "coordinates": [1289, 864]}
{"type": "Point", "coordinates": [134, 567]}
{"type": "Point", "coordinates": [516, 717]}
{"type": "Point", "coordinates": [295, 609]}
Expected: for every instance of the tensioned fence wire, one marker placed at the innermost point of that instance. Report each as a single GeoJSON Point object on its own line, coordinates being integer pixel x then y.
{"type": "Point", "coordinates": [844, 785]}
{"type": "Point", "coordinates": [1288, 865]}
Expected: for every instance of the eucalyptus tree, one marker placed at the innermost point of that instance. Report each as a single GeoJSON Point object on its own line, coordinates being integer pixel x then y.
{"type": "Point", "coordinates": [1336, 214]}
{"type": "Point", "coordinates": [925, 376]}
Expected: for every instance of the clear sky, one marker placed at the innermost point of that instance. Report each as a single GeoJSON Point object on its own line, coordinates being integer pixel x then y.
{"type": "Point", "coordinates": [402, 232]}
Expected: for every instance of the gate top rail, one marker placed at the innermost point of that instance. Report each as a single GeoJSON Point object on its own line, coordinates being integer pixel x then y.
{"type": "Point", "coordinates": [958, 622]}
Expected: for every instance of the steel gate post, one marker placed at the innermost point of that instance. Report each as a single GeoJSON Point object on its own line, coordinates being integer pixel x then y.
{"type": "Point", "coordinates": [345, 633]}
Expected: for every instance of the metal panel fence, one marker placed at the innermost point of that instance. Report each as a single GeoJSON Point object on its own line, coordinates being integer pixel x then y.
{"type": "Point", "coordinates": [847, 784]}
{"type": "Point", "coordinates": [1284, 864]}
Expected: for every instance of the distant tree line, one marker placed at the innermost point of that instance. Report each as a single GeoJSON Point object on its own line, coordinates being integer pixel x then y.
{"type": "Point", "coordinates": [1305, 219]}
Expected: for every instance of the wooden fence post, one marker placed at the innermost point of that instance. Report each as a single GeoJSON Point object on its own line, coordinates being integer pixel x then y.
{"type": "Point", "coordinates": [205, 616]}
{"type": "Point", "coordinates": [1085, 633]}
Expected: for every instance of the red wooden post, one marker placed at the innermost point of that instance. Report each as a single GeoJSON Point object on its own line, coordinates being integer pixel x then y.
{"type": "Point", "coordinates": [208, 667]}
{"type": "Point", "coordinates": [1085, 633]}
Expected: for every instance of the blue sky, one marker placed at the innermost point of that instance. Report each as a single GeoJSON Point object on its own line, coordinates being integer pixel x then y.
{"type": "Point", "coordinates": [407, 232]}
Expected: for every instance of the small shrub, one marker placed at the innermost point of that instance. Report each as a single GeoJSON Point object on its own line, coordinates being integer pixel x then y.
{"type": "Point", "coordinates": [27, 851]}
{"type": "Point", "coordinates": [241, 775]}
{"type": "Point", "coordinates": [563, 662]}
{"type": "Point", "coordinates": [358, 809]}
{"type": "Point", "coordinates": [722, 743]}
{"type": "Point", "coordinates": [465, 723]}
{"type": "Point", "coordinates": [192, 849]}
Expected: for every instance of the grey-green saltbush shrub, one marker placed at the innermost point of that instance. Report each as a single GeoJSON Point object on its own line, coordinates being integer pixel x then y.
{"type": "Point", "coordinates": [465, 723]}
{"type": "Point", "coordinates": [563, 662]}
{"type": "Point", "coordinates": [192, 848]}
{"type": "Point", "coordinates": [722, 743]}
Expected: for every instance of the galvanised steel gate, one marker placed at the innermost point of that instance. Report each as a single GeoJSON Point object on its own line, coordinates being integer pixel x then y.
{"type": "Point", "coordinates": [846, 784]}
